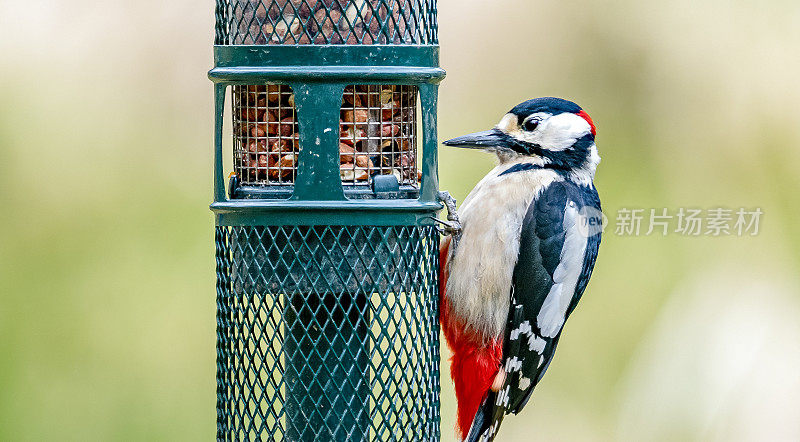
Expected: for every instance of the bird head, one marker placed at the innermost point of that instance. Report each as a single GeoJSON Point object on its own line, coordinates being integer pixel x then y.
{"type": "Point", "coordinates": [552, 132]}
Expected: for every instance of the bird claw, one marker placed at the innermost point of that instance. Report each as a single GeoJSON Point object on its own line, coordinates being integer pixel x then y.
{"type": "Point", "coordinates": [448, 228]}
{"type": "Point", "coordinates": [452, 226]}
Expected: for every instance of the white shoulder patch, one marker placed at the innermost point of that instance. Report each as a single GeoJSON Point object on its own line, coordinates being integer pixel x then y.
{"type": "Point", "coordinates": [565, 278]}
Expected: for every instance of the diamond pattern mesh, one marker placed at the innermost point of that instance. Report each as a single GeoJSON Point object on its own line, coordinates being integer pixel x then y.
{"type": "Point", "coordinates": [327, 333]}
{"type": "Point", "coordinates": [248, 22]}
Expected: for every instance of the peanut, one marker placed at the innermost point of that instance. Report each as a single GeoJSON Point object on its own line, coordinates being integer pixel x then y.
{"type": "Point", "coordinates": [255, 146]}
{"type": "Point", "coordinates": [389, 130]}
{"type": "Point", "coordinates": [405, 160]}
{"type": "Point", "coordinates": [363, 161]}
{"type": "Point", "coordinates": [284, 168]}
{"type": "Point", "coordinates": [248, 114]}
{"type": "Point", "coordinates": [350, 98]}
{"type": "Point", "coordinates": [287, 127]}
{"type": "Point", "coordinates": [349, 172]}
{"type": "Point", "coordinates": [388, 110]}
{"type": "Point", "coordinates": [259, 130]}
{"type": "Point", "coordinates": [287, 163]}
{"type": "Point", "coordinates": [386, 96]}
{"type": "Point", "coordinates": [324, 26]}
{"type": "Point", "coordinates": [361, 175]}
{"type": "Point", "coordinates": [281, 145]}
{"type": "Point", "coordinates": [355, 116]}
{"type": "Point", "coordinates": [256, 89]}
{"type": "Point", "coordinates": [346, 153]}
{"type": "Point", "coordinates": [273, 93]}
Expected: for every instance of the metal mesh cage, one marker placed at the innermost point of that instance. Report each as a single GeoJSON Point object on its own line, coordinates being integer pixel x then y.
{"type": "Point", "coordinates": [266, 142]}
{"type": "Point", "coordinates": [378, 134]}
{"type": "Point", "coordinates": [248, 22]}
{"type": "Point", "coordinates": [327, 333]}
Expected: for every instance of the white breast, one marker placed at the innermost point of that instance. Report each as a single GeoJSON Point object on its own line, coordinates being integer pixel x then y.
{"type": "Point", "coordinates": [482, 265]}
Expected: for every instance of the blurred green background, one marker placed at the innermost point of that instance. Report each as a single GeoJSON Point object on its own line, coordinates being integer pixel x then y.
{"type": "Point", "coordinates": [106, 257]}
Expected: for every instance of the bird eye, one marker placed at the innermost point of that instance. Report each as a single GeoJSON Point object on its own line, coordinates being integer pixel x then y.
{"type": "Point", "coordinates": [530, 124]}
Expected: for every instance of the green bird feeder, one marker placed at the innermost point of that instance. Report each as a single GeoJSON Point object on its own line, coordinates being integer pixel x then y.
{"type": "Point", "coordinates": [326, 252]}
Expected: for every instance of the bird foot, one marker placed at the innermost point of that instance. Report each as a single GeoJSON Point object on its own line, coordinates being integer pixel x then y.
{"type": "Point", "coordinates": [448, 228]}
{"type": "Point", "coordinates": [452, 226]}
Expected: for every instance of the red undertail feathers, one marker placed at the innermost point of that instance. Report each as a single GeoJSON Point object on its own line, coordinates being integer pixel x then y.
{"type": "Point", "coordinates": [473, 364]}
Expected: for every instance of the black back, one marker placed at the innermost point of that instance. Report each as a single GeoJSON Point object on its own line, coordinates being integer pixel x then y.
{"type": "Point", "coordinates": [541, 242]}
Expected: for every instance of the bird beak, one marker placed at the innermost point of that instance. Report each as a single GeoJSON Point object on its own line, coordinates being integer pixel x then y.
{"type": "Point", "coordinates": [479, 140]}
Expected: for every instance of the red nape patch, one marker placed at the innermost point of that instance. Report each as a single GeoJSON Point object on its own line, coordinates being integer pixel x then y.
{"type": "Point", "coordinates": [588, 119]}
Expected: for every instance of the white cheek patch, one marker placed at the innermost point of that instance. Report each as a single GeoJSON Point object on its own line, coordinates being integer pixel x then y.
{"type": "Point", "coordinates": [557, 132]}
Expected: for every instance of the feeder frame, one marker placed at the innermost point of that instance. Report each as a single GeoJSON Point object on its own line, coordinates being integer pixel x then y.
{"type": "Point", "coordinates": [327, 294]}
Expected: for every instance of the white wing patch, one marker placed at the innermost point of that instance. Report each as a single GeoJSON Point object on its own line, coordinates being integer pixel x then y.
{"type": "Point", "coordinates": [513, 364]}
{"type": "Point", "coordinates": [502, 397]}
{"type": "Point", "coordinates": [565, 277]}
{"type": "Point", "coordinates": [524, 328]}
{"type": "Point", "coordinates": [535, 343]}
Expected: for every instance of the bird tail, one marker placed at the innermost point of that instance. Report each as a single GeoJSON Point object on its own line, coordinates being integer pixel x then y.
{"type": "Point", "coordinates": [487, 420]}
{"type": "Point", "coordinates": [483, 419]}
{"type": "Point", "coordinates": [495, 406]}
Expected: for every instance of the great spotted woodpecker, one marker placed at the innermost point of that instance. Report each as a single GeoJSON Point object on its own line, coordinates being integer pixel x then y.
{"type": "Point", "coordinates": [516, 266]}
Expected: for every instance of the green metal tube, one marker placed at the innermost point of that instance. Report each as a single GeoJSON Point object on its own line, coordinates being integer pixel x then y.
{"type": "Point", "coordinates": [327, 368]}
{"type": "Point", "coordinates": [326, 344]}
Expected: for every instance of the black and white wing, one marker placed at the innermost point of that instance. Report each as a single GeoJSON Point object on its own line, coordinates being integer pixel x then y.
{"type": "Point", "coordinates": [556, 259]}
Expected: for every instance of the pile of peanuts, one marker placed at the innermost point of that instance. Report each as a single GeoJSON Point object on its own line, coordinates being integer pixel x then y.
{"type": "Point", "coordinates": [376, 133]}
{"type": "Point", "coordinates": [267, 142]}
{"type": "Point", "coordinates": [324, 21]}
